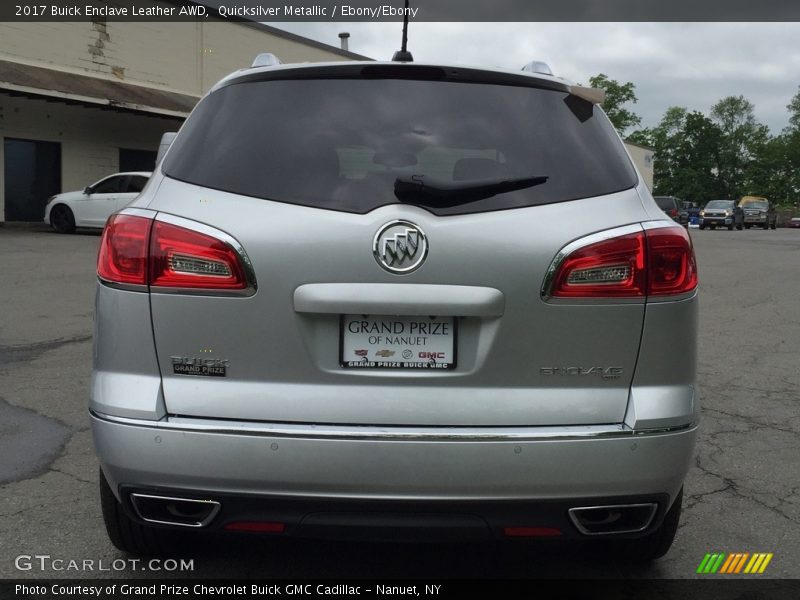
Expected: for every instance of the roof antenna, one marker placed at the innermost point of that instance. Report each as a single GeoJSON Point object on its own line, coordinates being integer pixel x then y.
{"type": "Point", "coordinates": [404, 55]}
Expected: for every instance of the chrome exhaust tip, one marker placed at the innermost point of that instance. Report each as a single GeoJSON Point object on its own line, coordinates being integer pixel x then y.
{"type": "Point", "coordinates": [613, 518]}
{"type": "Point", "coordinates": [165, 510]}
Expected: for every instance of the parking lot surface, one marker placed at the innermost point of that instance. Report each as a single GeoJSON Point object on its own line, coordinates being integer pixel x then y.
{"type": "Point", "coordinates": [742, 494]}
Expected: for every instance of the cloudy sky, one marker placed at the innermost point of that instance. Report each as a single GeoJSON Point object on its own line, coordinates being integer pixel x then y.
{"type": "Point", "coordinates": [672, 64]}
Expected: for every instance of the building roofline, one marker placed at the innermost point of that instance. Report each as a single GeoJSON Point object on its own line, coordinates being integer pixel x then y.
{"type": "Point", "coordinates": [303, 40]}
{"type": "Point", "coordinates": [281, 33]}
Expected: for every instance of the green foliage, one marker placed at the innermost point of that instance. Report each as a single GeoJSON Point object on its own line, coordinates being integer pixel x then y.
{"type": "Point", "coordinates": [726, 154]}
{"type": "Point", "coordinates": [794, 111]}
{"type": "Point", "coordinates": [617, 95]}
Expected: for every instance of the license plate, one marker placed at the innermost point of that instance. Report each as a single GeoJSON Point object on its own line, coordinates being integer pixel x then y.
{"type": "Point", "coordinates": [389, 342]}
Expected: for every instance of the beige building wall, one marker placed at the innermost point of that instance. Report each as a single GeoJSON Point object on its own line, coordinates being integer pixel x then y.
{"type": "Point", "coordinates": [85, 134]}
{"type": "Point", "coordinates": [186, 58]}
{"type": "Point", "coordinates": [181, 57]}
{"type": "Point", "coordinates": [642, 157]}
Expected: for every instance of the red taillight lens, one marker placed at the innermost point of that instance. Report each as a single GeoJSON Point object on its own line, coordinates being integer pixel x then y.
{"type": "Point", "coordinates": [671, 264]}
{"type": "Point", "coordinates": [673, 212]}
{"type": "Point", "coordinates": [655, 262]}
{"type": "Point", "coordinates": [139, 250]}
{"type": "Point", "coordinates": [123, 250]}
{"type": "Point", "coordinates": [609, 269]}
{"type": "Point", "coordinates": [257, 526]}
{"type": "Point", "coordinates": [182, 258]}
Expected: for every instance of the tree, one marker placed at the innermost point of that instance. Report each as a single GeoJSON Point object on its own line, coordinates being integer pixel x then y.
{"type": "Point", "coordinates": [687, 148]}
{"type": "Point", "coordinates": [617, 95]}
{"type": "Point", "coordinates": [742, 141]}
{"type": "Point", "coordinates": [794, 111]}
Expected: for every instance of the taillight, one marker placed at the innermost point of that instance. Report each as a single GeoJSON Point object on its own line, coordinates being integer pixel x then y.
{"type": "Point", "coordinates": [138, 250]}
{"type": "Point", "coordinates": [123, 250]}
{"type": "Point", "coordinates": [182, 258]}
{"type": "Point", "coordinates": [653, 262]}
{"type": "Point", "coordinates": [610, 268]}
{"type": "Point", "coordinates": [671, 264]}
{"type": "Point", "coordinates": [673, 212]}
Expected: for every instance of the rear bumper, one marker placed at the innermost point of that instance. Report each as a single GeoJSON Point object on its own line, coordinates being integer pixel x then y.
{"type": "Point", "coordinates": [274, 473]}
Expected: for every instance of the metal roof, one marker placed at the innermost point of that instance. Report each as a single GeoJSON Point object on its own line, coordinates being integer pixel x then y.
{"type": "Point", "coordinates": [33, 81]}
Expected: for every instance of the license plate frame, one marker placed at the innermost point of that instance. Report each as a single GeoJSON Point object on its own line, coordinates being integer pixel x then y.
{"type": "Point", "coordinates": [392, 345]}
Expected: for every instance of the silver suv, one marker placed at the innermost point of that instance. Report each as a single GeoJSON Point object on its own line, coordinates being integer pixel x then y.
{"type": "Point", "coordinates": [394, 300]}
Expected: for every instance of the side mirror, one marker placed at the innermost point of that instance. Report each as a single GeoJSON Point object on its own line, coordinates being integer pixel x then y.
{"type": "Point", "coordinates": [87, 190]}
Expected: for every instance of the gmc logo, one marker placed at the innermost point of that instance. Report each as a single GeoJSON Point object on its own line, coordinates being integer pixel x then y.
{"type": "Point", "coordinates": [433, 355]}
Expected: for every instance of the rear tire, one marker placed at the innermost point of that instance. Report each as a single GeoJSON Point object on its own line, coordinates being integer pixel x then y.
{"type": "Point", "coordinates": [774, 225]}
{"type": "Point", "coordinates": [702, 226]}
{"type": "Point", "coordinates": [62, 219]}
{"type": "Point", "coordinates": [730, 227]}
{"type": "Point", "coordinates": [129, 535]}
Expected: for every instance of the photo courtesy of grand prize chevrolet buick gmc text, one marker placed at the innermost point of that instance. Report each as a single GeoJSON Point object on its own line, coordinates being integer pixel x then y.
{"type": "Point", "coordinates": [395, 301]}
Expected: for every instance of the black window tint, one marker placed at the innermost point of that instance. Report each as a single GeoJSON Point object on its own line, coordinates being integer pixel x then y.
{"type": "Point", "coordinates": [665, 202]}
{"type": "Point", "coordinates": [112, 185]}
{"type": "Point", "coordinates": [136, 183]}
{"type": "Point", "coordinates": [341, 144]}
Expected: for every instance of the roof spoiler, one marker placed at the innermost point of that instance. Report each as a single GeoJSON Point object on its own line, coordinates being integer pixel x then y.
{"type": "Point", "coordinates": [593, 95]}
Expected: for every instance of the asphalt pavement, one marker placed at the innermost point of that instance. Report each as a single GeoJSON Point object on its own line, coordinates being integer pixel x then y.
{"type": "Point", "coordinates": [742, 495]}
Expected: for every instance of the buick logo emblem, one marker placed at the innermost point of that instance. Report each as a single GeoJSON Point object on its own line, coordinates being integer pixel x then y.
{"type": "Point", "coordinates": [400, 247]}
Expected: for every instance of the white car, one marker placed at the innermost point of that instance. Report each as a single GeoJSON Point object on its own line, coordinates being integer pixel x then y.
{"type": "Point", "coordinates": [92, 206]}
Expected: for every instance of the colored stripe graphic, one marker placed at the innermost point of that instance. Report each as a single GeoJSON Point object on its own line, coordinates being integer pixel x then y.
{"type": "Point", "coordinates": [718, 564]}
{"type": "Point", "coordinates": [734, 563]}
{"type": "Point", "coordinates": [703, 563]}
{"type": "Point", "coordinates": [764, 564]}
{"type": "Point", "coordinates": [730, 563]}
{"type": "Point", "coordinates": [741, 562]}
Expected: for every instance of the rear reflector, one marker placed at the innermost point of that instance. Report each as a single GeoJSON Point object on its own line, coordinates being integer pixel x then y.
{"type": "Point", "coordinates": [531, 532]}
{"type": "Point", "coordinates": [256, 526]}
{"type": "Point", "coordinates": [653, 262]}
{"type": "Point", "coordinates": [123, 250]}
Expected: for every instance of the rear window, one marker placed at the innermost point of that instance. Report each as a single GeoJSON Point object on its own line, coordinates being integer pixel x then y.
{"type": "Point", "coordinates": [666, 202]}
{"type": "Point", "coordinates": [761, 204]}
{"type": "Point", "coordinates": [343, 144]}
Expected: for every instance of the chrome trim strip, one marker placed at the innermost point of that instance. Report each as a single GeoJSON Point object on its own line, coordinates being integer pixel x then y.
{"type": "Point", "coordinates": [400, 433]}
{"type": "Point", "coordinates": [653, 508]}
{"type": "Point", "coordinates": [214, 510]}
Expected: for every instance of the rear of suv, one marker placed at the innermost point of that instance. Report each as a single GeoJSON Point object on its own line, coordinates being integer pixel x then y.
{"type": "Point", "coordinates": [395, 301]}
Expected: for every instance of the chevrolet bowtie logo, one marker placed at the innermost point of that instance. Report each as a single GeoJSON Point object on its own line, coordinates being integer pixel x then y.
{"type": "Point", "coordinates": [400, 247]}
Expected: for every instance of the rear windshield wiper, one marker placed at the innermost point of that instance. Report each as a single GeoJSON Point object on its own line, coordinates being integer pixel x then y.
{"type": "Point", "coordinates": [427, 190]}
